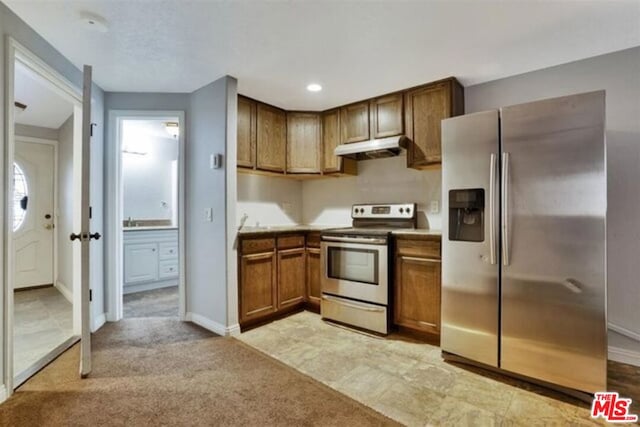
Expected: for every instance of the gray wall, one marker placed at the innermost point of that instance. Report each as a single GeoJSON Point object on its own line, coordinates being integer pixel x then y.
{"type": "Point", "coordinates": [64, 221]}
{"type": "Point", "coordinates": [36, 132]}
{"type": "Point", "coordinates": [619, 74]}
{"type": "Point", "coordinates": [206, 242]}
{"type": "Point", "coordinates": [11, 25]}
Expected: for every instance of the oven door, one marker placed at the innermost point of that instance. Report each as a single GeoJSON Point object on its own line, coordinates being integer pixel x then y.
{"type": "Point", "coordinates": [353, 269]}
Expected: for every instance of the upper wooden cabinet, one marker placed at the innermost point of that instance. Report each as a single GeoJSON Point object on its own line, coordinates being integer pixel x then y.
{"type": "Point", "coordinates": [271, 138]}
{"type": "Point", "coordinates": [386, 116]}
{"type": "Point", "coordinates": [331, 137]}
{"type": "Point", "coordinates": [354, 120]}
{"type": "Point", "coordinates": [425, 107]}
{"type": "Point", "coordinates": [246, 151]}
{"type": "Point", "coordinates": [303, 143]}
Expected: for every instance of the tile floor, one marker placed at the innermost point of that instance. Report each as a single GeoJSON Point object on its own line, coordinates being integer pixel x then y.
{"type": "Point", "coordinates": [161, 302]}
{"type": "Point", "coordinates": [407, 380]}
{"type": "Point", "coordinates": [43, 319]}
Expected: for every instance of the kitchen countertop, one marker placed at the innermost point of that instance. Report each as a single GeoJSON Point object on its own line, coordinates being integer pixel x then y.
{"type": "Point", "coordinates": [275, 229]}
{"type": "Point", "coordinates": [150, 227]}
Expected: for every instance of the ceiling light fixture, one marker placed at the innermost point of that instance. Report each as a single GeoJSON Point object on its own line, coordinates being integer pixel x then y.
{"type": "Point", "coordinates": [172, 129]}
{"type": "Point", "coordinates": [314, 87]}
{"type": "Point", "coordinates": [93, 22]}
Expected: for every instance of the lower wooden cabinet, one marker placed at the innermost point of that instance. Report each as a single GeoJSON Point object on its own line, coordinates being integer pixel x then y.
{"type": "Point", "coordinates": [418, 285]}
{"type": "Point", "coordinates": [291, 277]}
{"type": "Point", "coordinates": [314, 293]}
{"type": "Point", "coordinates": [258, 286]}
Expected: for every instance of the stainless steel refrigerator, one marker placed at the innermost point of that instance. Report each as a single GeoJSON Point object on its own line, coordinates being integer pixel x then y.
{"type": "Point", "coordinates": [524, 240]}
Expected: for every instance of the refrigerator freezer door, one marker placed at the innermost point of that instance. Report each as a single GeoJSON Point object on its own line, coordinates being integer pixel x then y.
{"type": "Point", "coordinates": [554, 274]}
{"type": "Point", "coordinates": [469, 255]}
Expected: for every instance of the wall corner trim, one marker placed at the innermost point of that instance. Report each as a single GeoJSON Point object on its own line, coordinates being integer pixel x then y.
{"type": "Point", "coordinates": [624, 331]}
{"type": "Point", "coordinates": [213, 326]}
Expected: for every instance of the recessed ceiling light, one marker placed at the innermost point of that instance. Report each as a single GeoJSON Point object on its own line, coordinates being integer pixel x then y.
{"type": "Point", "coordinates": [93, 22]}
{"type": "Point", "coordinates": [314, 87]}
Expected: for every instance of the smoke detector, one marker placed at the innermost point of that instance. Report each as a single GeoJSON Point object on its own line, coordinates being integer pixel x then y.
{"type": "Point", "coordinates": [91, 21]}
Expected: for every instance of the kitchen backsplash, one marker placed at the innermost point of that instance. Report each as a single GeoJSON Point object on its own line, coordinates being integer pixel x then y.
{"type": "Point", "coordinates": [269, 200]}
{"type": "Point", "coordinates": [329, 201]}
{"type": "Point", "coordinates": [279, 201]}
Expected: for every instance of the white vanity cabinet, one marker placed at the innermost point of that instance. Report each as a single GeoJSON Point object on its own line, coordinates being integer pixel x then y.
{"type": "Point", "coordinates": [150, 259]}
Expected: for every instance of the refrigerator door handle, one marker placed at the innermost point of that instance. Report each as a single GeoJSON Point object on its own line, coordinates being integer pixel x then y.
{"type": "Point", "coordinates": [505, 208]}
{"type": "Point", "coordinates": [492, 208]}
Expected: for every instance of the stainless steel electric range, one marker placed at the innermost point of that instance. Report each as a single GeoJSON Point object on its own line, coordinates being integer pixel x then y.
{"type": "Point", "coordinates": [356, 266]}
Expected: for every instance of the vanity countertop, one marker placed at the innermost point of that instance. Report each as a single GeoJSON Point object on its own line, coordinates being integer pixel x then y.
{"type": "Point", "coordinates": [150, 228]}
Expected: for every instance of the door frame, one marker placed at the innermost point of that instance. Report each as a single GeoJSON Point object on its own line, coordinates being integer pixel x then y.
{"type": "Point", "coordinates": [52, 143]}
{"type": "Point", "coordinates": [114, 215]}
{"type": "Point", "coordinates": [15, 52]}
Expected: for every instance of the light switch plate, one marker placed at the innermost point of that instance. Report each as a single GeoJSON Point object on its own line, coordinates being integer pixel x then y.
{"type": "Point", "coordinates": [434, 208]}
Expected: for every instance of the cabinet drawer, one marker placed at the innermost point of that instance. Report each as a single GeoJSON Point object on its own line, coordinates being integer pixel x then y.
{"type": "Point", "coordinates": [252, 246]}
{"type": "Point", "coordinates": [418, 248]}
{"type": "Point", "coordinates": [168, 269]}
{"type": "Point", "coordinates": [168, 250]}
{"type": "Point", "coordinates": [286, 242]}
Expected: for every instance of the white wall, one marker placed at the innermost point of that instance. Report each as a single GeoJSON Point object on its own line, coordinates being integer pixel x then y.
{"type": "Point", "coordinates": [147, 180]}
{"type": "Point", "coordinates": [64, 220]}
{"type": "Point", "coordinates": [207, 246]}
{"type": "Point", "coordinates": [619, 74]}
{"type": "Point", "coordinates": [268, 200]}
{"type": "Point", "coordinates": [328, 201]}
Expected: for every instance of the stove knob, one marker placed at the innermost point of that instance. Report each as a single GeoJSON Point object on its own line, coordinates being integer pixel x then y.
{"type": "Point", "coordinates": [408, 211]}
{"type": "Point", "coordinates": [401, 210]}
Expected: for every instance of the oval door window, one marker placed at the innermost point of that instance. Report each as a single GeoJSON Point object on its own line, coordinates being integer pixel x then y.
{"type": "Point", "coordinates": [20, 197]}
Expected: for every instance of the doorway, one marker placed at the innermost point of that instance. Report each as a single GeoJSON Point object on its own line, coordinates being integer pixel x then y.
{"type": "Point", "coordinates": [43, 293]}
{"type": "Point", "coordinates": [146, 273]}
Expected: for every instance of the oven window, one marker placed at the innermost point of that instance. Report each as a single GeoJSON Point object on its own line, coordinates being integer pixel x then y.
{"type": "Point", "coordinates": [355, 265]}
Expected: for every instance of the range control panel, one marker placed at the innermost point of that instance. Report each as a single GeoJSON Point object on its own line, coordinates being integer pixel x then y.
{"type": "Point", "coordinates": [388, 211]}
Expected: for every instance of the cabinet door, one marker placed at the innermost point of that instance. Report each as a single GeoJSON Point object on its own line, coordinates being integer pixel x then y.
{"type": "Point", "coordinates": [140, 262]}
{"type": "Point", "coordinates": [291, 277]}
{"type": "Point", "coordinates": [258, 286]}
{"type": "Point", "coordinates": [417, 293]}
{"type": "Point", "coordinates": [271, 138]}
{"type": "Point", "coordinates": [386, 116]}
{"type": "Point", "coordinates": [246, 133]}
{"type": "Point", "coordinates": [314, 290]}
{"type": "Point", "coordinates": [354, 120]}
{"type": "Point", "coordinates": [303, 143]}
{"type": "Point", "coordinates": [425, 109]}
{"type": "Point", "coordinates": [330, 140]}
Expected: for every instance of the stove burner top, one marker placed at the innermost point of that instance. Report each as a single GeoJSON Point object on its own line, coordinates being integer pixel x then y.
{"type": "Point", "coordinates": [358, 231]}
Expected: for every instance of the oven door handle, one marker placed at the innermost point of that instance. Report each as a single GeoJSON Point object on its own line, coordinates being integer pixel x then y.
{"type": "Point", "coordinates": [352, 305]}
{"type": "Point", "coordinates": [364, 240]}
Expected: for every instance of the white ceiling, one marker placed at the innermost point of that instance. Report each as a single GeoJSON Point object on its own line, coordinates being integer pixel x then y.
{"type": "Point", "coordinates": [45, 107]}
{"type": "Point", "coordinates": [355, 49]}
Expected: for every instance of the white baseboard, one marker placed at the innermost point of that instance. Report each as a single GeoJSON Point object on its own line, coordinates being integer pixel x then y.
{"type": "Point", "coordinates": [66, 293]}
{"type": "Point", "coordinates": [3, 394]}
{"type": "Point", "coordinates": [623, 355]}
{"type": "Point", "coordinates": [624, 331]}
{"type": "Point", "coordinates": [98, 322]}
{"type": "Point", "coordinates": [213, 326]}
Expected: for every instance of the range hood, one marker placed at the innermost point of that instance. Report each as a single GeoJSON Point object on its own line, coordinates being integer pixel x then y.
{"type": "Point", "coordinates": [373, 149]}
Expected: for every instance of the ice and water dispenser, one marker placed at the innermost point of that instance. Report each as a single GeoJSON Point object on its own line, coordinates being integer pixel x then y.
{"type": "Point", "coordinates": [466, 215]}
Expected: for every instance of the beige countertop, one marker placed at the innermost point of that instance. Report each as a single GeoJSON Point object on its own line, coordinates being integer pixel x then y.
{"type": "Point", "coordinates": [150, 227]}
{"type": "Point", "coordinates": [275, 229]}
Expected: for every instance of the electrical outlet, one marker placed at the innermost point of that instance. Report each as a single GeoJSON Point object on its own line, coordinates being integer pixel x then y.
{"type": "Point", "coordinates": [208, 214]}
{"type": "Point", "coordinates": [434, 208]}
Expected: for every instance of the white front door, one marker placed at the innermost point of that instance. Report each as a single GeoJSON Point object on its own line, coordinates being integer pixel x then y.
{"type": "Point", "coordinates": [33, 214]}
